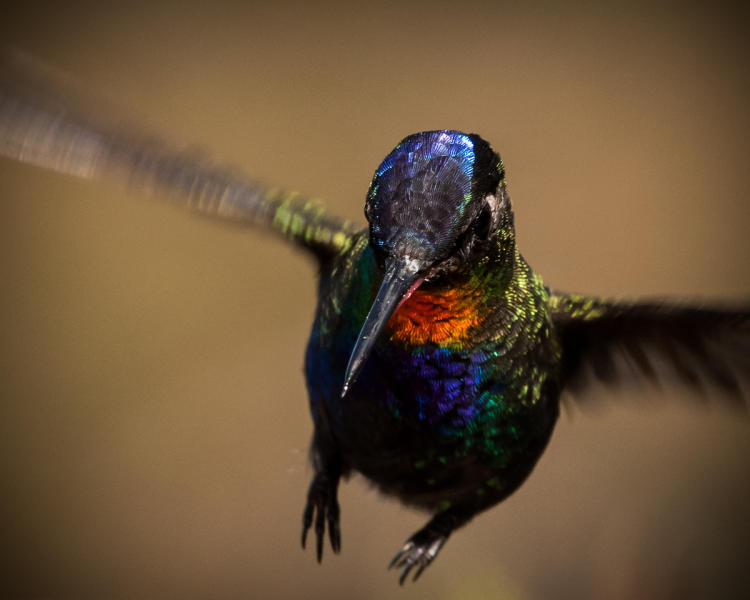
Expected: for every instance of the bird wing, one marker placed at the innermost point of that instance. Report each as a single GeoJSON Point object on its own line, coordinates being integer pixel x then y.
{"type": "Point", "coordinates": [701, 347]}
{"type": "Point", "coordinates": [43, 123]}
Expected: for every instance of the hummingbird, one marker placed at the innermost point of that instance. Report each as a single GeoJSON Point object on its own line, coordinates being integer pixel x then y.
{"type": "Point", "coordinates": [438, 357]}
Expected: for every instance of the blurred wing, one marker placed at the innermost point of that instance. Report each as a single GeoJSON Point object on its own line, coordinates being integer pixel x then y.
{"type": "Point", "coordinates": [703, 348]}
{"type": "Point", "coordinates": [43, 124]}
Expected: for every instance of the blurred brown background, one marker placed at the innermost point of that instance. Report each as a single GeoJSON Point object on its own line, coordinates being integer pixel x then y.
{"type": "Point", "coordinates": [154, 423]}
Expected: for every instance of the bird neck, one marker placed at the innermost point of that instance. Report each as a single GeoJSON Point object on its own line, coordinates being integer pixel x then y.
{"type": "Point", "coordinates": [451, 310]}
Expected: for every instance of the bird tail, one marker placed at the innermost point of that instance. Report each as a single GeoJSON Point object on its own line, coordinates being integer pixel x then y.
{"type": "Point", "coordinates": [43, 123]}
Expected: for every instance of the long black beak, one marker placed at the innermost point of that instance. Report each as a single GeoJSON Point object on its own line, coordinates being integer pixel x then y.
{"type": "Point", "coordinates": [398, 281]}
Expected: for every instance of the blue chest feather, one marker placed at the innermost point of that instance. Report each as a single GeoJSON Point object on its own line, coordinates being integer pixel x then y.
{"type": "Point", "coordinates": [432, 386]}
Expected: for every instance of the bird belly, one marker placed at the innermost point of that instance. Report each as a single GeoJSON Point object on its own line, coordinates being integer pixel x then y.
{"type": "Point", "coordinates": [433, 425]}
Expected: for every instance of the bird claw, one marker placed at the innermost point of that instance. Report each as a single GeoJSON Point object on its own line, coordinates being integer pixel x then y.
{"type": "Point", "coordinates": [416, 554]}
{"type": "Point", "coordinates": [322, 506]}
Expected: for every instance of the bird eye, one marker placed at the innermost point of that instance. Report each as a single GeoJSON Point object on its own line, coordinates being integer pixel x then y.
{"type": "Point", "coordinates": [482, 224]}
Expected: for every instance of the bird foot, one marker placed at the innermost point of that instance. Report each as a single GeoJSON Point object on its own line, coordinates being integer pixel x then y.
{"type": "Point", "coordinates": [322, 506]}
{"type": "Point", "coordinates": [418, 552]}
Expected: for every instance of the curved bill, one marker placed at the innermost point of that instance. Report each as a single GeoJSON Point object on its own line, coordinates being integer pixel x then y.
{"type": "Point", "coordinates": [400, 280]}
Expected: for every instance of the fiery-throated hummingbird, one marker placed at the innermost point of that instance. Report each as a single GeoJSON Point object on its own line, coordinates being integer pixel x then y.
{"type": "Point", "coordinates": [437, 355]}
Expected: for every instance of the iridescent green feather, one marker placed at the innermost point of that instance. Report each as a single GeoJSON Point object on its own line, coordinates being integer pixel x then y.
{"type": "Point", "coordinates": [43, 123]}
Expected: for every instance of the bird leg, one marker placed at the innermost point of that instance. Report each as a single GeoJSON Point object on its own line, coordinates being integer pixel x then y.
{"type": "Point", "coordinates": [322, 505]}
{"type": "Point", "coordinates": [422, 547]}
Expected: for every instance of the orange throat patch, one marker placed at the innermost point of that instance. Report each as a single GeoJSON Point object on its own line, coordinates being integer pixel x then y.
{"type": "Point", "coordinates": [442, 317]}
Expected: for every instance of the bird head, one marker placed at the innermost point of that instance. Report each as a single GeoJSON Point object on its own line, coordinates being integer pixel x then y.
{"type": "Point", "coordinates": [434, 206]}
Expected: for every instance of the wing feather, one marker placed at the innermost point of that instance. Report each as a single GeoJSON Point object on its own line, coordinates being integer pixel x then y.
{"type": "Point", "coordinates": [43, 123]}
{"type": "Point", "coordinates": [703, 348]}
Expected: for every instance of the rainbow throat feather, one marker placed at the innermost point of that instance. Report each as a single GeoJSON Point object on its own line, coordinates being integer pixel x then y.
{"type": "Point", "coordinates": [443, 317]}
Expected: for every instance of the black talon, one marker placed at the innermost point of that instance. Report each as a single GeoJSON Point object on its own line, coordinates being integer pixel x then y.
{"type": "Point", "coordinates": [422, 567]}
{"type": "Point", "coordinates": [307, 518]}
{"type": "Point", "coordinates": [320, 530]}
{"type": "Point", "coordinates": [334, 530]}
{"type": "Point", "coordinates": [404, 574]}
